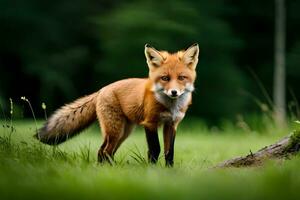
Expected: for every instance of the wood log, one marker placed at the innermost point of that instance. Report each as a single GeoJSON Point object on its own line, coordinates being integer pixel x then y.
{"type": "Point", "coordinates": [283, 149]}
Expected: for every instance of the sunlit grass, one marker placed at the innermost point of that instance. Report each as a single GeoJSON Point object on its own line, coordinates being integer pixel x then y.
{"type": "Point", "coordinates": [29, 169]}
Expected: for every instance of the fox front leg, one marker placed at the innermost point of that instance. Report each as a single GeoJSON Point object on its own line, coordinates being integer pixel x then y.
{"type": "Point", "coordinates": [169, 139]}
{"type": "Point", "coordinates": [153, 144]}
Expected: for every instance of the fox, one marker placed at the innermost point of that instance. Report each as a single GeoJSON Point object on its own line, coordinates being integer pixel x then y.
{"type": "Point", "coordinates": [162, 99]}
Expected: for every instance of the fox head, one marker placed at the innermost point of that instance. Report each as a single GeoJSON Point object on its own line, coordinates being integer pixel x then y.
{"type": "Point", "coordinates": [172, 74]}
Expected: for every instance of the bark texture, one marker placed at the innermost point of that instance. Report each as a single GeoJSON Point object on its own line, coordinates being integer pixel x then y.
{"type": "Point", "coordinates": [283, 149]}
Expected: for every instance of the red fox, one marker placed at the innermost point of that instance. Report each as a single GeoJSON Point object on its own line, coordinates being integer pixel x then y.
{"type": "Point", "coordinates": [162, 98]}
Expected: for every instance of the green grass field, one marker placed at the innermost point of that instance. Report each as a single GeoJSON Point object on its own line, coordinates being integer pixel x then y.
{"type": "Point", "coordinates": [30, 170]}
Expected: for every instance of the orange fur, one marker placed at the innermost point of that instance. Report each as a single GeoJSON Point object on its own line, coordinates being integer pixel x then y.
{"type": "Point", "coordinates": [148, 102]}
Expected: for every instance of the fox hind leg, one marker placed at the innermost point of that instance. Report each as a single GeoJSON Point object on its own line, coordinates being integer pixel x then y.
{"type": "Point", "coordinates": [112, 143]}
{"type": "Point", "coordinates": [127, 130]}
{"type": "Point", "coordinates": [113, 124]}
{"type": "Point", "coordinates": [106, 150]}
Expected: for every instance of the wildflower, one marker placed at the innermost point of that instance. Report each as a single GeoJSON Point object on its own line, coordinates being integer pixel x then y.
{"type": "Point", "coordinates": [24, 99]}
{"type": "Point", "coordinates": [44, 106]}
{"type": "Point", "coordinates": [11, 106]}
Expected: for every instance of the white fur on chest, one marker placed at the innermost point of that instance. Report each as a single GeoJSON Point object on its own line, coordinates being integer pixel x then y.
{"type": "Point", "coordinates": [173, 105]}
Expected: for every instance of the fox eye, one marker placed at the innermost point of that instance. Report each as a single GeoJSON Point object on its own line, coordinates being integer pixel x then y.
{"type": "Point", "coordinates": [165, 78]}
{"type": "Point", "coordinates": [181, 78]}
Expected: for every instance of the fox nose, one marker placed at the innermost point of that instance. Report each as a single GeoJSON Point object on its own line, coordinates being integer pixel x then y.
{"type": "Point", "coordinates": [174, 93]}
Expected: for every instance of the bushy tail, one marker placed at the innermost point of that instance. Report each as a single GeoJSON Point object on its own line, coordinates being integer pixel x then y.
{"type": "Point", "coordinates": [68, 120]}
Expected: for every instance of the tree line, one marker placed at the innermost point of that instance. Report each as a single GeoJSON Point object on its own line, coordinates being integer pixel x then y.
{"type": "Point", "coordinates": [56, 51]}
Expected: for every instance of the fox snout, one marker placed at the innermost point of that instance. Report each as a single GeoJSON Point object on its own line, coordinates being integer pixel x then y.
{"type": "Point", "coordinates": [173, 93]}
{"type": "Point", "coordinates": [176, 92]}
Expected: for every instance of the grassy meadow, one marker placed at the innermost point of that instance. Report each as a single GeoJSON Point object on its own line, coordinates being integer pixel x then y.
{"type": "Point", "coordinates": [31, 170]}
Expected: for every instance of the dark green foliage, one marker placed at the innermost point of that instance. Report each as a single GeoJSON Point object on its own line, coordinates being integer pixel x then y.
{"type": "Point", "coordinates": [294, 144]}
{"type": "Point", "coordinates": [132, 25]}
{"type": "Point", "coordinates": [56, 51]}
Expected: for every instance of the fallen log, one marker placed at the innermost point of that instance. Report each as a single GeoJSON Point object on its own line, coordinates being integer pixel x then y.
{"type": "Point", "coordinates": [283, 149]}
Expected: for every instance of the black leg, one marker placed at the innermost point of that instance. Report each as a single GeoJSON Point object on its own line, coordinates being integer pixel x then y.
{"type": "Point", "coordinates": [105, 153]}
{"type": "Point", "coordinates": [101, 155]}
{"type": "Point", "coordinates": [153, 145]}
{"type": "Point", "coordinates": [169, 139]}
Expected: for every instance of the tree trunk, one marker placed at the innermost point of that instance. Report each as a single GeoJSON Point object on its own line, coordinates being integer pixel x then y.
{"type": "Point", "coordinates": [282, 149]}
{"type": "Point", "coordinates": [279, 68]}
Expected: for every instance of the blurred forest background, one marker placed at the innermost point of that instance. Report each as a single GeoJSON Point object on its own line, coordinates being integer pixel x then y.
{"type": "Point", "coordinates": [56, 51]}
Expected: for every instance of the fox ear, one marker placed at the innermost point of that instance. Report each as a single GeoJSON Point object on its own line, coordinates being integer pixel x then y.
{"type": "Point", "coordinates": [190, 56]}
{"type": "Point", "coordinates": [154, 58]}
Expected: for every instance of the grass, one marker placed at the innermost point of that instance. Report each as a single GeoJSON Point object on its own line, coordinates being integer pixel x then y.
{"type": "Point", "coordinates": [31, 170]}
